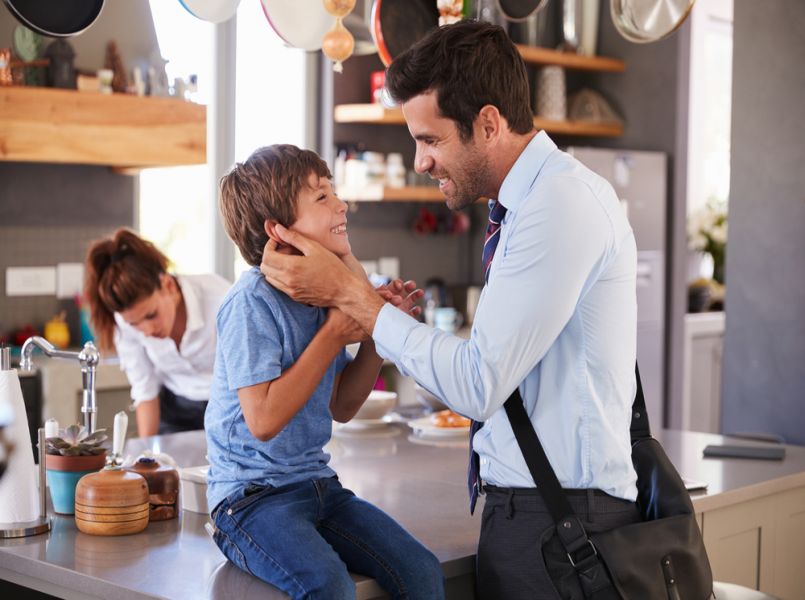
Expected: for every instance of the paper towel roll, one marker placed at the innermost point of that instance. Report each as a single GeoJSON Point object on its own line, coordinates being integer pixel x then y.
{"type": "Point", "coordinates": [19, 501]}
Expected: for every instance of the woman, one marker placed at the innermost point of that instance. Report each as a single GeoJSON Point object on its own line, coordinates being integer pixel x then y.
{"type": "Point", "coordinates": [161, 325]}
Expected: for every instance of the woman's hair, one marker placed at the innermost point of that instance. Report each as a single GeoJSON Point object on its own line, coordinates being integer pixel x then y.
{"type": "Point", "coordinates": [265, 186]}
{"type": "Point", "coordinates": [120, 271]}
{"type": "Point", "coordinates": [468, 64]}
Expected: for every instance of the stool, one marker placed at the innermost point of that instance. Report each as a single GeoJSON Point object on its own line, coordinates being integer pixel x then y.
{"type": "Point", "coordinates": [730, 591]}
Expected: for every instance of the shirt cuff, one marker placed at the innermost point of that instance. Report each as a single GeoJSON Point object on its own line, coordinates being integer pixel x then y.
{"type": "Point", "coordinates": [391, 331]}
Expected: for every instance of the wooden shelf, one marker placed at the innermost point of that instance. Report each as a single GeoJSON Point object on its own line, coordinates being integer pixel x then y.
{"type": "Point", "coordinates": [380, 193]}
{"type": "Point", "coordinates": [545, 56]}
{"type": "Point", "coordinates": [118, 130]}
{"type": "Point", "coordinates": [376, 114]}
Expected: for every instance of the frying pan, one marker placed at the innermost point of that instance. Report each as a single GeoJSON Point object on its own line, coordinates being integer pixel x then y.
{"type": "Point", "coordinates": [56, 18]}
{"type": "Point", "coordinates": [520, 10]}
{"type": "Point", "coordinates": [644, 21]}
{"type": "Point", "coordinates": [399, 24]}
{"type": "Point", "coordinates": [300, 23]}
{"type": "Point", "coordinates": [214, 11]}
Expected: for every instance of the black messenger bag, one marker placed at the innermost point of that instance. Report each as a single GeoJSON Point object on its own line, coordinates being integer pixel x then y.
{"type": "Point", "coordinates": [662, 557]}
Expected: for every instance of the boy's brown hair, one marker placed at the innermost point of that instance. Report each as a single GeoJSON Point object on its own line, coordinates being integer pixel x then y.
{"type": "Point", "coordinates": [265, 186]}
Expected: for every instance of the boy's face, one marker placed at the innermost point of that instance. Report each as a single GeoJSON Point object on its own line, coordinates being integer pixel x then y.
{"type": "Point", "coordinates": [322, 216]}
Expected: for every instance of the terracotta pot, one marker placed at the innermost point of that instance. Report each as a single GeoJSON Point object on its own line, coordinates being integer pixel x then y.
{"type": "Point", "coordinates": [63, 473]}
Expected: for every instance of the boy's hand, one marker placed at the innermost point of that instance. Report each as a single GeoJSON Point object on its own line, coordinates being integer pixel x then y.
{"type": "Point", "coordinates": [403, 295]}
{"type": "Point", "coordinates": [345, 328]}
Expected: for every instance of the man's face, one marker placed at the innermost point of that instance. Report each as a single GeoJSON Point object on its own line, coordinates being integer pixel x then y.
{"type": "Point", "coordinates": [322, 216]}
{"type": "Point", "coordinates": [461, 167]}
{"type": "Point", "coordinates": [155, 314]}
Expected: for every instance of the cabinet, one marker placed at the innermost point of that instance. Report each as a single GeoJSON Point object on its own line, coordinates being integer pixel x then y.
{"type": "Point", "coordinates": [703, 350]}
{"type": "Point", "coordinates": [118, 130]}
{"type": "Point", "coordinates": [351, 116]}
{"type": "Point", "coordinates": [759, 543]}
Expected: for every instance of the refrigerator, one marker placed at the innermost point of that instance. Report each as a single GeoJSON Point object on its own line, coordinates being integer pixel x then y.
{"type": "Point", "coordinates": [639, 179]}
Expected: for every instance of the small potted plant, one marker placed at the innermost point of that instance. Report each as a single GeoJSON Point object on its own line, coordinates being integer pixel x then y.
{"type": "Point", "coordinates": [68, 458]}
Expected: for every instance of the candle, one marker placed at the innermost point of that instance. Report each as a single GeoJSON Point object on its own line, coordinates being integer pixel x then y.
{"type": "Point", "coordinates": [51, 428]}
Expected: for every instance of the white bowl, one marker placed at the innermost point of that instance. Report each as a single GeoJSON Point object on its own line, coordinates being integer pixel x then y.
{"type": "Point", "coordinates": [377, 404]}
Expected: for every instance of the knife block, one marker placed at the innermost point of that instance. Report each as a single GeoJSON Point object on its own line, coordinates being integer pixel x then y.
{"type": "Point", "coordinates": [111, 502]}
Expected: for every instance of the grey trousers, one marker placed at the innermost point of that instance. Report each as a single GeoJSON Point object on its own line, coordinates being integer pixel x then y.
{"type": "Point", "coordinates": [519, 555]}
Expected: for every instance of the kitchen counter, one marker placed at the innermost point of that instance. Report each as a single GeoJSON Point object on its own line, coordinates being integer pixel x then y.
{"type": "Point", "coordinates": [422, 486]}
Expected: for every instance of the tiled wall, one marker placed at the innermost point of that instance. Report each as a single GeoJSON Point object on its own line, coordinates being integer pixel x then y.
{"type": "Point", "coordinates": [49, 214]}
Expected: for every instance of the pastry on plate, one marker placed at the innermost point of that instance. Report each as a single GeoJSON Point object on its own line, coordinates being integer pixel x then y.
{"type": "Point", "coordinates": [448, 418]}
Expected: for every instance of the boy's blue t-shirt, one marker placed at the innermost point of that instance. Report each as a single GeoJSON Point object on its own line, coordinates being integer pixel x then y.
{"type": "Point", "coordinates": [261, 333]}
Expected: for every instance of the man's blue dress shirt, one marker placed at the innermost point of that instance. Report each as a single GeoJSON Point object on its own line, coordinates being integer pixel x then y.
{"type": "Point", "coordinates": [557, 317]}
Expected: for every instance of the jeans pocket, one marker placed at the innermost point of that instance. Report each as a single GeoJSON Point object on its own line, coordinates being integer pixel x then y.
{"type": "Point", "coordinates": [230, 550]}
{"type": "Point", "coordinates": [247, 496]}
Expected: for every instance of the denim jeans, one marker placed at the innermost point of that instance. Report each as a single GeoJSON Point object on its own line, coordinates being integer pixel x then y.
{"type": "Point", "coordinates": [304, 537]}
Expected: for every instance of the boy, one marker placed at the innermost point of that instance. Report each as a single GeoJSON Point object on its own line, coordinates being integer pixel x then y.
{"type": "Point", "coordinates": [281, 375]}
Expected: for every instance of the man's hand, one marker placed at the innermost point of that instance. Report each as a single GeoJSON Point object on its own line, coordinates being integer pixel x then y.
{"type": "Point", "coordinates": [314, 278]}
{"type": "Point", "coordinates": [403, 295]}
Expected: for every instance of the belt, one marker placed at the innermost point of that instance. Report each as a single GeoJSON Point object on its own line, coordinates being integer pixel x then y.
{"type": "Point", "coordinates": [493, 489]}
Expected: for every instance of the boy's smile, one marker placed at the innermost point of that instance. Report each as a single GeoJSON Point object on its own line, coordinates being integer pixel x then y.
{"type": "Point", "coordinates": [322, 216]}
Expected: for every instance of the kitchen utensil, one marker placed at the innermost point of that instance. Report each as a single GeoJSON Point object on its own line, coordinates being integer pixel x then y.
{"type": "Point", "coordinates": [163, 488]}
{"type": "Point", "coordinates": [121, 426]}
{"type": "Point", "coordinates": [520, 10]}
{"type": "Point", "coordinates": [550, 97]}
{"type": "Point", "coordinates": [217, 11]}
{"type": "Point", "coordinates": [399, 24]}
{"type": "Point", "coordinates": [111, 502]}
{"type": "Point", "coordinates": [300, 23]}
{"type": "Point", "coordinates": [645, 21]}
{"type": "Point", "coordinates": [56, 18]}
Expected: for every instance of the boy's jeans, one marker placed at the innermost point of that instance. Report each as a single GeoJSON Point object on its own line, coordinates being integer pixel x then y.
{"type": "Point", "coordinates": [302, 538]}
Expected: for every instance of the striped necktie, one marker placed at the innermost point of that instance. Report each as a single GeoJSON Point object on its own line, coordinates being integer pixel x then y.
{"type": "Point", "coordinates": [496, 213]}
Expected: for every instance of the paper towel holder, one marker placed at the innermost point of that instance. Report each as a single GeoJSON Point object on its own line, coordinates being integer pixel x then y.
{"type": "Point", "coordinates": [43, 523]}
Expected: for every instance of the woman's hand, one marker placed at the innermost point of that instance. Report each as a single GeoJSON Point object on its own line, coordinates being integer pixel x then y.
{"type": "Point", "coordinates": [345, 328]}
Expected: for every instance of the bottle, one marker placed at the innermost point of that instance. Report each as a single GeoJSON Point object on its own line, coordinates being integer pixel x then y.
{"type": "Point", "coordinates": [395, 170]}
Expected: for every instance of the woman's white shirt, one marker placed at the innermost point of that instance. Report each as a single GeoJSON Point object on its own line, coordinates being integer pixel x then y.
{"type": "Point", "coordinates": [151, 362]}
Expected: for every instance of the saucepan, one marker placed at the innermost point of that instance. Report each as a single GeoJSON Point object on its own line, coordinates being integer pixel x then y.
{"type": "Point", "coordinates": [644, 21]}
{"type": "Point", "coordinates": [299, 23]}
{"type": "Point", "coordinates": [216, 11]}
{"type": "Point", "coordinates": [56, 18]}
{"type": "Point", "coordinates": [399, 24]}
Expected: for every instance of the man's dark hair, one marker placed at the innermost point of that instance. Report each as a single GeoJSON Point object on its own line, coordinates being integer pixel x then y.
{"type": "Point", "coordinates": [468, 64]}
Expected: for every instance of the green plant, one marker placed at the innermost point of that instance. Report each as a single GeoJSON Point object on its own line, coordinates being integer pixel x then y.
{"type": "Point", "coordinates": [707, 232]}
{"type": "Point", "coordinates": [76, 441]}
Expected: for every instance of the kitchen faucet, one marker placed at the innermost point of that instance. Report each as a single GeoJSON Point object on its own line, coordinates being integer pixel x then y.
{"type": "Point", "coordinates": [88, 357]}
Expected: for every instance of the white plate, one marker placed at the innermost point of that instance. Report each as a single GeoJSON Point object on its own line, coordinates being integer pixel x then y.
{"type": "Point", "coordinates": [425, 427]}
{"type": "Point", "coordinates": [216, 11]}
{"type": "Point", "coordinates": [363, 424]}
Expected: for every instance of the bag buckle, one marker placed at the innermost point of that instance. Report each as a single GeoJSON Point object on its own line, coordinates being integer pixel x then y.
{"type": "Point", "coordinates": [591, 555]}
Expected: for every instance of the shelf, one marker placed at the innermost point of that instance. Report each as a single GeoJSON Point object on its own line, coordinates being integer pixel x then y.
{"type": "Point", "coordinates": [118, 130]}
{"type": "Point", "coordinates": [544, 56]}
{"type": "Point", "coordinates": [380, 193]}
{"type": "Point", "coordinates": [376, 114]}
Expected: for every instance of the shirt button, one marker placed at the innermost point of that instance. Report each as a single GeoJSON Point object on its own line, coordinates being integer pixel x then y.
{"type": "Point", "coordinates": [484, 461]}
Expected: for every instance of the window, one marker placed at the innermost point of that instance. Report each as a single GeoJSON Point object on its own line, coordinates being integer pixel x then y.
{"type": "Point", "coordinates": [710, 104]}
{"type": "Point", "coordinates": [175, 203]}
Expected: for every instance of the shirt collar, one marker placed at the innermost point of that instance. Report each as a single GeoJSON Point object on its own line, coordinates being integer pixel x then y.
{"type": "Point", "coordinates": [192, 304]}
{"type": "Point", "coordinates": [525, 170]}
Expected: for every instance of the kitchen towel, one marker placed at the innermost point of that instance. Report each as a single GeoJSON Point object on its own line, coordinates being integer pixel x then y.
{"type": "Point", "coordinates": [19, 502]}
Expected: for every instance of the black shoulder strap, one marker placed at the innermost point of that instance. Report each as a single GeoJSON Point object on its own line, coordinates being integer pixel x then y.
{"type": "Point", "coordinates": [569, 528]}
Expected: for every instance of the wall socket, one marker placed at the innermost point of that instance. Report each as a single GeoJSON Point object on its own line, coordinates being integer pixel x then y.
{"type": "Point", "coordinates": [30, 281]}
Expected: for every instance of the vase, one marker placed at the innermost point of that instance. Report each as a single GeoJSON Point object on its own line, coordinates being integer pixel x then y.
{"type": "Point", "coordinates": [63, 474]}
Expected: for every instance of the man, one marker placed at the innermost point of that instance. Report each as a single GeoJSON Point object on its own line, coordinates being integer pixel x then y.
{"type": "Point", "coordinates": [556, 318]}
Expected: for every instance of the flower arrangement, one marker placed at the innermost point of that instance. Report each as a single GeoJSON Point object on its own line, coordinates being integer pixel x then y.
{"type": "Point", "coordinates": [707, 232]}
